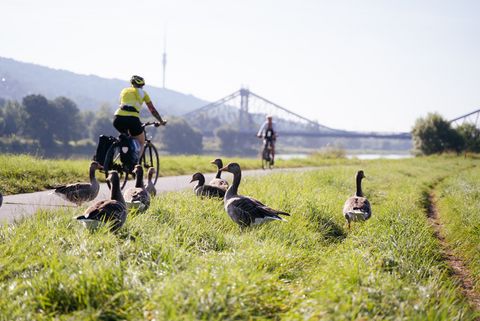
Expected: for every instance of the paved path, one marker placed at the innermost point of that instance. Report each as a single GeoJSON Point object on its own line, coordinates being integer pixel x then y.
{"type": "Point", "coordinates": [21, 205]}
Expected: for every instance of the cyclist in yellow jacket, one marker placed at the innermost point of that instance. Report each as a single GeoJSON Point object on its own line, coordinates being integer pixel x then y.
{"type": "Point", "coordinates": [127, 116]}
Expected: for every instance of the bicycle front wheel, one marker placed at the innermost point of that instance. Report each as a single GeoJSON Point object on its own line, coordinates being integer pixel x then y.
{"type": "Point", "coordinates": [114, 163]}
{"type": "Point", "coordinates": [150, 159]}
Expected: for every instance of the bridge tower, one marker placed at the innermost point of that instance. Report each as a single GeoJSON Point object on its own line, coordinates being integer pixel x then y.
{"type": "Point", "coordinates": [244, 117]}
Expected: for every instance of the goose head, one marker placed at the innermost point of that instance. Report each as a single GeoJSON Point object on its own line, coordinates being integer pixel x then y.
{"type": "Point", "coordinates": [198, 177]}
{"type": "Point", "coordinates": [95, 165]}
{"type": "Point", "coordinates": [113, 178]}
{"type": "Point", "coordinates": [217, 162]}
{"type": "Point", "coordinates": [231, 168]}
{"type": "Point", "coordinates": [151, 172]}
{"type": "Point", "coordinates": [138, 170]}
{"type": "Point", "coordinates": [361, 175]}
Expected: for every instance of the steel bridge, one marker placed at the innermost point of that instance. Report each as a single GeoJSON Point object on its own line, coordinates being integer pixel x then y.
{"type": "Point", "coordinates": [246, 111]}
{"type": "Point", "coordinates": [470, 118]}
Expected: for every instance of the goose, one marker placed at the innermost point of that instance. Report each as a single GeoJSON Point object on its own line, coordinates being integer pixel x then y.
{"type": "Point", "coordinates": [150, 186]}
{"type": "Point", "coordinates": [137, 197]}
{"type": "Point", "coordinates": [80, 193]}
{"type": "Point", "coordinates": [206, 190]}
{"type": "Point", "coordinates": [111, 210]}
{"type": "Point", "coordinates": [357, 207]}
{"type": "Point", "coordinates": [245, 210]}
{"type": "Point", "coordinates": [218, 181]}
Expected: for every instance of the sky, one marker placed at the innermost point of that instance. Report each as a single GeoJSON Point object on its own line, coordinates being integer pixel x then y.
{"type": "Point", "coordinates": [371, 65]}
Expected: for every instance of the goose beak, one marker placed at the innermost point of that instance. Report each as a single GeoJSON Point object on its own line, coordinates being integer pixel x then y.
{"type": "Point", "coordinates": [192, 181]}
{"type": "Point", "coordinates": [212, 162]}
{"type": "Point", "coordinates": [224, 168]}
{"type": "Point", "coordinates": [100, 166]}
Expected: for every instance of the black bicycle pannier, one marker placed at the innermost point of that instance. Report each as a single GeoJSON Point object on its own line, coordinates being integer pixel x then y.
{"type": "Point", "coordinates": [104, 143]}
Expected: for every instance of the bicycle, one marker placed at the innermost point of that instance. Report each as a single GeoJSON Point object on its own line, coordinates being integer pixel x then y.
{"type": "Point", "coordinates": [114, 155]}
{"type": "Point", "coordinates": [267, 155]}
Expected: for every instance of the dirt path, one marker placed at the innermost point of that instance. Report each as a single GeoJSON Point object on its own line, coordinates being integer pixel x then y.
{"type": "Point", "coordinates": [459, 270]}
{"type": "Point", "coordinates": [23, 205]}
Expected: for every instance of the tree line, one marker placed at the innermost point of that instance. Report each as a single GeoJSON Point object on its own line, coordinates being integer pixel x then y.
{"type": "Point", "coordinates": [59, 128]}
{"type": "Point", "coordinates": [433, 135]}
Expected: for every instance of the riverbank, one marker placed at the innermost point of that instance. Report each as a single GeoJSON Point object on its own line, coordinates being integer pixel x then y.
{"type": "Point", "coordinates": [26, 174]}
{"type": "Point", "coordinates": [184, 259]}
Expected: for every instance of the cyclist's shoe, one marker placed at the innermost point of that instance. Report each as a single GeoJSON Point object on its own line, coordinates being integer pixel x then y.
{"type": "Point", "coordinates": [272, 162]}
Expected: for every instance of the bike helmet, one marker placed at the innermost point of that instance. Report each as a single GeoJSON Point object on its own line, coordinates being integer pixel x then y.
{"type": "Point", "coordinates": [269, 117]}
{"type": "Point", "coordinates": [137, 81]}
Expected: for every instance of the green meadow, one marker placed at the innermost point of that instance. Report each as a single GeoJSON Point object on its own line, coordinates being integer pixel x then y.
{"type": "Point", "coordinates": [459, 208]}
{"type": "Point", "coordinates": [24, 174]}
{"type": "Point", "coordinates": [184, 259]}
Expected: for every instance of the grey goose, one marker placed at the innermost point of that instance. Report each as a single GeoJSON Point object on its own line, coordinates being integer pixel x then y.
{"type": "Point", "coordinates": [357, 207]}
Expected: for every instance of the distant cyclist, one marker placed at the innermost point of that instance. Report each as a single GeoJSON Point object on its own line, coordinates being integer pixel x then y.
{"type": "Point", "coordinates": [268, 134]}
{"type": "Point", "coordinates": [127, 116]}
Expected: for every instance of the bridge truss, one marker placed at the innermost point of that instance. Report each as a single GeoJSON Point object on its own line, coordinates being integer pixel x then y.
{"type": "Point", "coordinates": [246, 111]}
{"type": "Point", "coordinates": [470, 118]}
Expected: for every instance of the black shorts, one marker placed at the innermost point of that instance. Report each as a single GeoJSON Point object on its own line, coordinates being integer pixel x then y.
{"type": "Point", "coordinates": [128, 124]}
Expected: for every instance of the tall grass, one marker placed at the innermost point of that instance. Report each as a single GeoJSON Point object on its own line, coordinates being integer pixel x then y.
{"type": "Point", "coordinates": [23, 174]}
{"type": "Point", "coordinates": [184, 259]}
{"type": "Point", "coordinates": [459, 208]}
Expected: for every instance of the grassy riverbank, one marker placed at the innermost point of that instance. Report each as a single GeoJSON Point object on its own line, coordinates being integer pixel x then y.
{"type": "Point", "coordinates": [459, 208]}
{"type": "Point", "coordinates": [23, 174]}
{"type": "Point", "coordinates": [186, 260]}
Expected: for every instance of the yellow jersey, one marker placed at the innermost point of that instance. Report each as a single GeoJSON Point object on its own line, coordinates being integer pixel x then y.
{"type": "Point", "coordinates": [132, 97]}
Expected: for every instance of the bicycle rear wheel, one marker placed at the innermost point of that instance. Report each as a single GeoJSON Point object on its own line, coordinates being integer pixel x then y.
{"type": "Point", "coordinates": [150, 159]}
{"type": "Point", "coordinates": [264, 156]}
{"type": "Point", "coordinates": [270, 157]}
{"type": "Point", "coordinates": [113, 163]}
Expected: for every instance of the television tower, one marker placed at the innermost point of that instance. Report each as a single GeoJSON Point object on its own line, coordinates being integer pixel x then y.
{"type": "Point", "coordinates": [164, 57]}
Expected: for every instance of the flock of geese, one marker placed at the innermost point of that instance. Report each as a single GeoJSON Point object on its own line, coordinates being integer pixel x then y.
{"type": "Point", "coordinates": [243, 210]}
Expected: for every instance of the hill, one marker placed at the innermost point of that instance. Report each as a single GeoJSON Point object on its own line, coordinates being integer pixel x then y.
{"type": "Point", "coordinates": [18, 79]}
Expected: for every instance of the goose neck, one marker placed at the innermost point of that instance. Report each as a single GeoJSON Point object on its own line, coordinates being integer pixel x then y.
{"type": "Point", "coordinates": [116, 193]}
{"type": "Point", "coordinates": [139, 180]}
{"type": "Point", "coordinates": [219, 173]}
{"type": "Point", "coordinates": [359, 192]}
{"type": "Point", "coordinates": [92, 174]}
{"type": "Point", "coordinates": [201, 180]}
{"type": "Point", "coordinates": [233, 189]}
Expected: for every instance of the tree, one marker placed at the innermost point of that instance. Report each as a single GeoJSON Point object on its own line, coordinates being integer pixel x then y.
{"type": "Point", "coordinates": [179, 137]}
{"type": "Point", "coordinates": [234, 143]}
{"type": "Point", "coordinates": [14, 119]}
{"type": "Point", "coordinates": [88, 117]}
{"type": "Point", "coordinates": [434, 134]}
{"type": "Point", "coordinates": [67, 119]}
{"type": "Point", "coordinates": [471, 137]}
{"type": "Point", "coordinates": [103, 123]}
{"type": "Point", "coordinates": [40, 124]}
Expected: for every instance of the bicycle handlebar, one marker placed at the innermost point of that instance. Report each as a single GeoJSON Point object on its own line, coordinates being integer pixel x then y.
{"type": "Point", "coordinates": [152, 123]}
